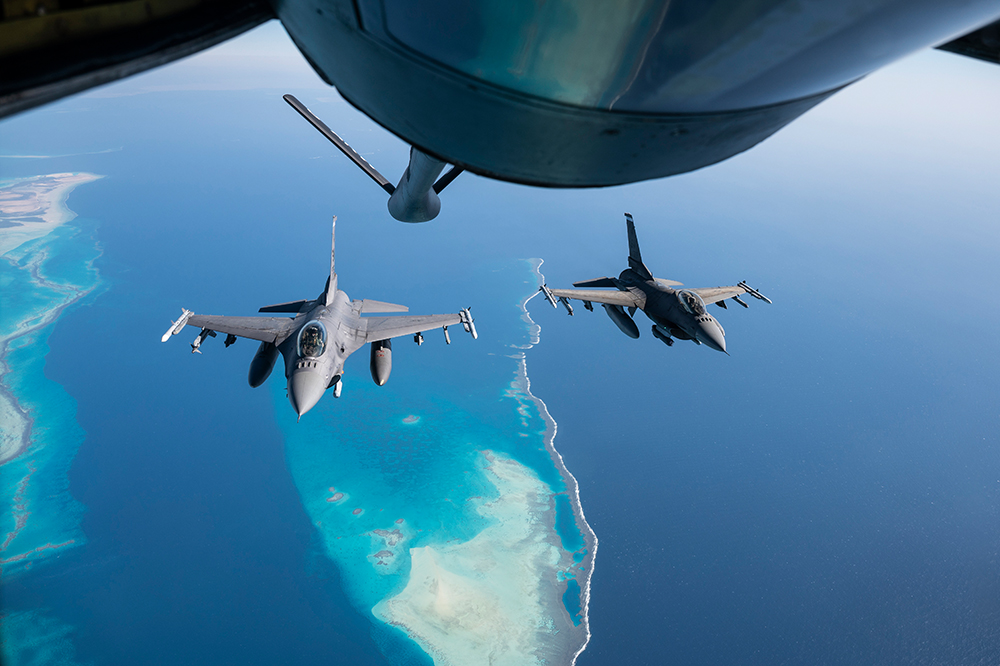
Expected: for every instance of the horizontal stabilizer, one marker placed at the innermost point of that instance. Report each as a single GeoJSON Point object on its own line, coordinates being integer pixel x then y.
{"type": "Point", "coordinates": [292, 306]}
{"type": "Point", "coordinates": [597, 282]}
{"type": "Point", "coordinates": [369, 306]}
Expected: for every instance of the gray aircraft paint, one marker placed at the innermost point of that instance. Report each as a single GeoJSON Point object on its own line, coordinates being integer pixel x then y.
{"type": "Point", "coordinates": [317, 340]}
{"type": "Point", "coordinates": [675, 313]}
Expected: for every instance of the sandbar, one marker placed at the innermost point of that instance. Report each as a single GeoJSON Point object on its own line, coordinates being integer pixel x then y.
{"type": "Point", "coordinates": [33, 207]}
{"type": "Point", "coordinates": [494, 598]}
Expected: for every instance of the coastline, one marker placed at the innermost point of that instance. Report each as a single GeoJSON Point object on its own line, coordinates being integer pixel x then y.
{"type": "Point", "coordinates": [510, 591]}
{"type": "Point", "coordinates": [38, 432]}
{"type": "Point", "coordinates": [572, 485]}
{"type": "Point", "coordinates": [34, 207]}
{"type": "Point", "coordinates": [22, 209]}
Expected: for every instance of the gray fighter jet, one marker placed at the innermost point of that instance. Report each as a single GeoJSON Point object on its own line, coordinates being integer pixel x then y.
{"type": "Point", "coordinates": [675, 313]}
{"type": "Point", "coordinates": [319, 337]}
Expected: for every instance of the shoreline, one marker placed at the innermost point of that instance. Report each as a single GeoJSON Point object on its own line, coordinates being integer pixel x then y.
{"type": "Point", "coordinates": [518, 591]}
{"type": "Point", "coordinates": [35, 206]}
{"type": "Point", "coordinates": [17, 421]}
{"type": "Point", "coordinates": [572, 485]}
{"type": "Point", "coordinates": [31, 211]}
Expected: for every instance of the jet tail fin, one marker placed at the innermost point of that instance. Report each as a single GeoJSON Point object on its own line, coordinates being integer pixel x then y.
{"type": "Point", "coordinates": [634, 256]}
{"type": "Point", "coordinates": [331, 283]}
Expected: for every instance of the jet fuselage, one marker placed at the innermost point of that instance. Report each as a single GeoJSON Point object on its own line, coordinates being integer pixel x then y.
{"type": "Point", "coordinates": [676, 315]}
{"type": "Point", "coordinates": [314, 354]}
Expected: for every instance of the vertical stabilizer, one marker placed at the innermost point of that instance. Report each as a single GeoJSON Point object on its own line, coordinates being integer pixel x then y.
{"type": "Point", "coordinates": [634, 257]}
{"type": "Point", "coordinates": [331, 285]}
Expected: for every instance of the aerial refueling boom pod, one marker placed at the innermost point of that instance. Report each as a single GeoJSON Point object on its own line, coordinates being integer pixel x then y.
{"type": "Point", "coordinates": [415, 198]}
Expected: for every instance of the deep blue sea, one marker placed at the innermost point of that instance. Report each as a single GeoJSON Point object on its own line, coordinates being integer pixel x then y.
{"type": "Point", "coordinates": [828, 494]}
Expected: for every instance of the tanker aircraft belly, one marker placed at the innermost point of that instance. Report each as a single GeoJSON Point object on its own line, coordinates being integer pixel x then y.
{"type": "Point", "coordinates": [319, 336]}
{"type": "Point", "coordinates": [675, 313]}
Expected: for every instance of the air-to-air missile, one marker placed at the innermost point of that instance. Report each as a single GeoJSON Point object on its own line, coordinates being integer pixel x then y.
{"type": "Point", "coordinates": [661, 335]}
{"type": "Point", "coordinates": [548, 294]}
{"type": "Point", "coordinates": [468, 323]}
{"type": "Point", "coordinates": [205, 332]}
{"type": "Point", "coordinates": [550, 297]}
{"type": "Point", "coordinates": [176, 326]}
{"type": "Point", "coordinates": [753, 292]}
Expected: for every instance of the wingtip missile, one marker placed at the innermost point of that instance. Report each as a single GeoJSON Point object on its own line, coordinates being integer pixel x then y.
{"type": "Point", "coordinates": [468, 323]}
{"type": "Point", "coordinates": [753, 292]}
{"type": "Point", "coordinates": [549, 296]}
{"type": "Point", "coordinates": [177, 326]}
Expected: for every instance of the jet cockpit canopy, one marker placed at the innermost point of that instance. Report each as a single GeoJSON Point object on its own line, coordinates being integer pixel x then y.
{"type": "Point", "coordinates": [691, 302]}
{"type": "Point", "coordinates": [312, 339]}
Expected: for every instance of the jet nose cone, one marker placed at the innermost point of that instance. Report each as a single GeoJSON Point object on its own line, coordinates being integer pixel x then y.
{"type": "Point", "coordinates": [305, 388]}
{"type": "Point", "coordinates": [712, 336]}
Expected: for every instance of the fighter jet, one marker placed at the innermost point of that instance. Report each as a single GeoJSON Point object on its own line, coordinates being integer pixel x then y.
{"type": "Point", "coordinates": [675, 313]}
{"type": "Point", "coordinates": [319, 337]}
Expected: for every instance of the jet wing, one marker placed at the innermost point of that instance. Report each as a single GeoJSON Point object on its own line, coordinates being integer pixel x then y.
{"type": "Point", "coordinates": [265, 329]}
{"type": "Point", "coordinates": [627, 299]}
{"type": "Point", "coordinates": [715, 294]}
{"type": "Point", "coordinates": [383, 328]}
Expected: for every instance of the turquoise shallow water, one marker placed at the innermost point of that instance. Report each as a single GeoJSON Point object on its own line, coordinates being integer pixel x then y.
{"type": "Point", "coordinates": [385, 469]}
{"type": "Point", "coordinates": [52, 272]}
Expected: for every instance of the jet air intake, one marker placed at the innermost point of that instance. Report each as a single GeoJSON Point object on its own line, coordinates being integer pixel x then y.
{"type": "Point", "coordinates": [381, 361]}
{"type": "Point", "coordinates": [622, 320]}
{"type": "Point", "coordinates": [262, 364]}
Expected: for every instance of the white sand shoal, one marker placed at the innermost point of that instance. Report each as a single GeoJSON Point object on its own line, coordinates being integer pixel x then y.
{"type": "Point", "coordinates": [493, 599]}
